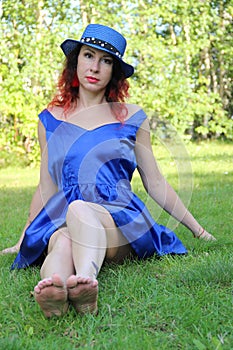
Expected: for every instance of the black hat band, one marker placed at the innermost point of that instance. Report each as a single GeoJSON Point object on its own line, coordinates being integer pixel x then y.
{"type": "Point", "coordinates": [102, 44]}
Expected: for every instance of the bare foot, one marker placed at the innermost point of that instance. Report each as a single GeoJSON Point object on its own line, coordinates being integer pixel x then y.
{"type": "Point", "coordinates": [83, 294]}
{"type": "Point", "coordinates": [51, 295]}
{"type": "Point", "coordinates": [206, 236]}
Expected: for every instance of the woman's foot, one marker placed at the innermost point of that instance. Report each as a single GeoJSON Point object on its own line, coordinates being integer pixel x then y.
{"type": "Point", "coordinates": [206, 236]}
{"type": "Point", "coordinates": [83, 294]}
{"type": "Point", "coordinates": [51, 295]}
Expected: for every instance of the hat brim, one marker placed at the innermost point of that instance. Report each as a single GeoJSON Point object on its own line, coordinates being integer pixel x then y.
{"type": "Point", "coordinates": [69, 45]}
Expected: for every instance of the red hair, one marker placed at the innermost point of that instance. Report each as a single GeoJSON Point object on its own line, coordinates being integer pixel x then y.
{"type": "Point", "coordinates": [68, 88]}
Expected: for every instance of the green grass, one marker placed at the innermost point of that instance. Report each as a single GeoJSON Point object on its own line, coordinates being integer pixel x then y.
{"type": "Point", "coordinates": [167, 303]}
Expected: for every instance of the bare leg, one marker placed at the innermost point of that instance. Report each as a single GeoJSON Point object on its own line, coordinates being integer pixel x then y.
{"type": "Point", "coordinates": [89, 246]}
{"type": "Point", "coordinates": [51, 291]}
{"type": "Point", "coordinates": [59, 259]}
{"type": "Point", "coordinates": [94, 237]}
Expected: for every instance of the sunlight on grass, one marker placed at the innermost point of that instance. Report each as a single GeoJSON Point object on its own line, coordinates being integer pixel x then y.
{"type": "Point", "coordinates": [18, 177]}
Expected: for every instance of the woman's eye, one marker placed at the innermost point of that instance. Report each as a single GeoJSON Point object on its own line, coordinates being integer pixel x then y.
{"type": "Point", "coordinates": [88, 55]}
{"type": "Point", "coordinates": [108, 61]}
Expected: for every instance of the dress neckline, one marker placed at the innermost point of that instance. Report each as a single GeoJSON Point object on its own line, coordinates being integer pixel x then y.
{"type": "Point", "coordinates": [60, 121]}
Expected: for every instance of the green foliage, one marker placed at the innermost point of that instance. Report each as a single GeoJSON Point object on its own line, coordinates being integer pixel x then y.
{"type": "Point", "coordinates": [182, 52]}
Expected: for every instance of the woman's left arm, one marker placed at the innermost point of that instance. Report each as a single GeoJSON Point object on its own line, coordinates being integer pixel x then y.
{"type": "Point", "coordinates": [159, 189]}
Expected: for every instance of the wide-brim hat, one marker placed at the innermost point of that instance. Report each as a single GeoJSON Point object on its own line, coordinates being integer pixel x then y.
{"type": "Point", "coordinates": [103, 38]}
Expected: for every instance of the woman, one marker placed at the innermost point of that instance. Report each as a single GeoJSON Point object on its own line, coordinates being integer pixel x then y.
{"type": "Point", "coordinates": [84, 212]}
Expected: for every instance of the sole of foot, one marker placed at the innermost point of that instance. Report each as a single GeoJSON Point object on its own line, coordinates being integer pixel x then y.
{"type": "Point", "coordinates": [51, 295]}
{"type": "Point", "coordinates": [83, 294]}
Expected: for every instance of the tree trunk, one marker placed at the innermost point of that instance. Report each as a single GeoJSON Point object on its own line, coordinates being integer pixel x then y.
{"type": "Point", "coordinates": [39, 25]}
{"type": "Point", "coordinates": [173, 35]}
{"type": "Point", "coordinates": [220, 56]}
{"type": "Point", "coordinates": [186, 27]}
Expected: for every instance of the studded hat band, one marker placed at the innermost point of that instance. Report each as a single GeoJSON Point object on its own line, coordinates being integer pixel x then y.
{"type": "Point", "coordinates": [102, 44]}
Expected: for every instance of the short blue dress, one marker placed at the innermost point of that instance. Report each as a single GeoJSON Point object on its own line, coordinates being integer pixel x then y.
{"type": "Point", "coordinates": [95, 166]}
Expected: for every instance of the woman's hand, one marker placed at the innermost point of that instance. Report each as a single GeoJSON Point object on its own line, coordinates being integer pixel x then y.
{"type": "Point", "coordinates": [10, 250]}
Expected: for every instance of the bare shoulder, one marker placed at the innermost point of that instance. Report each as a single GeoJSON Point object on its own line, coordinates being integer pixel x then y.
{"type": "Point", "coordinates": [132, 109]}
{"type": "Point", "coordinates": [56, 111]}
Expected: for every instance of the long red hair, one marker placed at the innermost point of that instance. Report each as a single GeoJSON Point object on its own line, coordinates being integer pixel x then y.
{"type": "Point", "coordinates": [68, 88]}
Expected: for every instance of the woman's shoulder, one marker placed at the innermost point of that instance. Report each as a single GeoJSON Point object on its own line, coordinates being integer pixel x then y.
{"type": "Point", "coordinates": [56, 111]}
{"type": "Point", "coordinates": [136, 114]}
{"type": "Point", "coordinates": [133, 109]}
{"type": "Point", "coordinates": [51, 117]}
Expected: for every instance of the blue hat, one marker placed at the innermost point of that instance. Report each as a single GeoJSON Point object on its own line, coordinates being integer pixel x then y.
{"type": "Point", "coordinates": [103, 38]}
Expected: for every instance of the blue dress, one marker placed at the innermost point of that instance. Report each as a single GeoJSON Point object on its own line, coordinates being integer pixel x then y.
{"type": "Point", "coordinates": [95, 166]}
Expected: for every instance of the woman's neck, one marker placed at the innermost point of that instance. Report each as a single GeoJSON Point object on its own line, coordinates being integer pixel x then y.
{"type": "Point", "coordinates": [88, 99]}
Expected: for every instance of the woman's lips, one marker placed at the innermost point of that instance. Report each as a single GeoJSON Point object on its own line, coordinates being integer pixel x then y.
{"type": "Point", "coordinates": [92, 80]}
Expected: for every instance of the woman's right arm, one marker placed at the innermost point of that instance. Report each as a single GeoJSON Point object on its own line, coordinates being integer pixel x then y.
{"type": "Point", "coordinates": [45, 189]}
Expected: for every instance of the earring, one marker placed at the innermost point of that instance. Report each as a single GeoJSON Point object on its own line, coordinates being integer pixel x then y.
{"type": "Point", "coordinates": [112, 94]}
{"type": "Point", "coordinates": [75, 82]}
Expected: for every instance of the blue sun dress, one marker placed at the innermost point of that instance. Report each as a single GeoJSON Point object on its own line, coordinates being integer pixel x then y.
{"type": "Point", "coordinates": [95, 166]}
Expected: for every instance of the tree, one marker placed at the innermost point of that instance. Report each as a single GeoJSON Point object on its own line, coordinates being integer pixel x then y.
{"type": "Point", "coordinates": [31, 32]}
{"type": "Point", "coordinates": [182, 53]}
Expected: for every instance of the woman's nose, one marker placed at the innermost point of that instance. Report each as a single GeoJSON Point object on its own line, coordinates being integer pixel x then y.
{"type": "Point", "coordinates": [95, 66]}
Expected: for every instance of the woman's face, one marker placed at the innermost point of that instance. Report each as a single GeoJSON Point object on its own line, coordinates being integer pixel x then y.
{"type": "Point", "coordinates": [94, 69]}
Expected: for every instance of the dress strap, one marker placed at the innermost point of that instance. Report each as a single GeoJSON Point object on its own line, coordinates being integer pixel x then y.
{"type": "Point", "coordinates": [137, 118]}
{"type": "Point", "coordinates": [50, 123]}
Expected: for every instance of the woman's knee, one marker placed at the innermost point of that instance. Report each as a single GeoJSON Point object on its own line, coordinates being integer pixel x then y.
{"type": "Point", "coordinates": [77, 209]}
{"type": "Point", "coordinates": [82, 212]}
{"type": "Point", "coordinates": [60, 240]}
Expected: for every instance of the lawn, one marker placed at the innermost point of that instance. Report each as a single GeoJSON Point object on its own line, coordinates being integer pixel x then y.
{"type": "Point", "coordinates": [167, 303]}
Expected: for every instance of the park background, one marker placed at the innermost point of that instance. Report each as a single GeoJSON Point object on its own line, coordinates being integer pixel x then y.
{"type": "Point", "coordinates": [181, 50]}
{"type": "Point", "coordinates": [182, 53]}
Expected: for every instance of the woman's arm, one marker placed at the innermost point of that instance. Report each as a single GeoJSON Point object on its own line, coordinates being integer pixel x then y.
{"type": "Point", "coordinates": [159, 189]}
{"type": "Point", "coordinates": [45, 189]}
